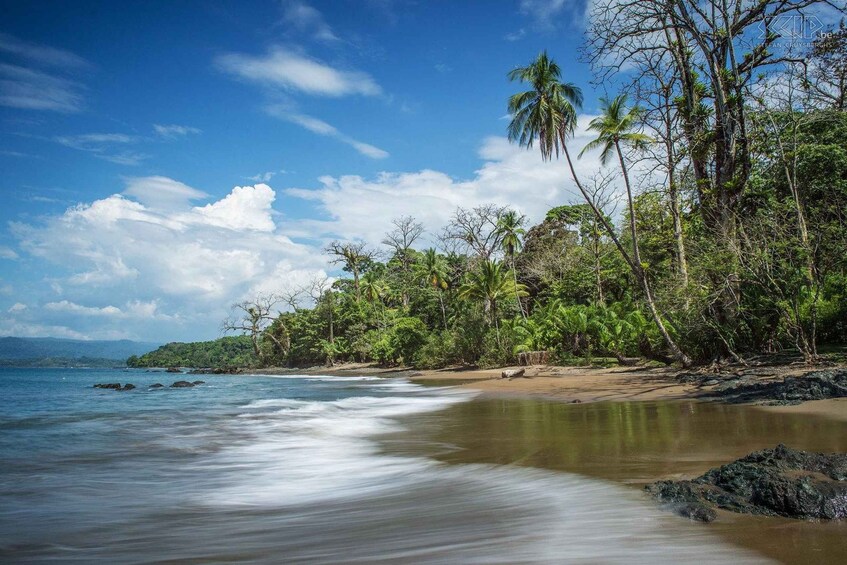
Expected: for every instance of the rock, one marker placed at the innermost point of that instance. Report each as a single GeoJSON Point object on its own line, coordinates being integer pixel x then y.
{"type": "Point", "coordinates": [157, 385]}
{"type": "Point", "coordinates": [173, 370]}
{"type": "Point", "coordinates": [816, 385]}
{"type": "Point", "coordinates": [199, 382]}
{"type": "Point", "coordinates": [182, 384]}
{"type": "Point", "coordinates": [115, 386]}
{"type": "Point", "coordinates": [512, 373]}
{"type": "Point", "coordinates": [772, 482]}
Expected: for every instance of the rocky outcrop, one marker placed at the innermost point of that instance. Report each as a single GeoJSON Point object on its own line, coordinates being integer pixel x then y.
{"type": "Point", "coordinates": [182, 384]}
{"type": "Point", "coordinates": [772, 482]}
{"type": "Point", "coordinates": [157, 385]}
{"type": "Point", "coordinates": [115, 386]}
{"type": "Point", "coordinates": [816, 385]}
{"type": "Point", "coordinates": [173, 370]}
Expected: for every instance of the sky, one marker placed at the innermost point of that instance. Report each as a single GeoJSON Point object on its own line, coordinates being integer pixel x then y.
{"type": "Point", "coordinates": [160, 161]}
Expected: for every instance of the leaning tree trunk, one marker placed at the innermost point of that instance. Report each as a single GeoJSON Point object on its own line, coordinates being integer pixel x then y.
{"type": "Point", "coordinates": [637, 270]}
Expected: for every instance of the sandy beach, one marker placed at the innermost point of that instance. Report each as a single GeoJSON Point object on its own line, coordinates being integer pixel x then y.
{"type": "Point", "coordinates": [581, 384]}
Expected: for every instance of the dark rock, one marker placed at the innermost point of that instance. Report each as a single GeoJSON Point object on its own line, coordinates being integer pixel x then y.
{"type": "Point", "coordinates": [199, 382]}
{"type": "Point", "coordinates": [114, 386]}
{"type": "Point", "coordinates": [128, 386]}
{"type": "Point", "coordinates": [182, 384]}
{"type": "Point", "coordinates": [816, 385]}
{"type": "Point", "coordinates": [157, 385]}
{"type": "Point", "coordinates": [772, 482]}
{"type": "Point", "coordinates": [173, 370]}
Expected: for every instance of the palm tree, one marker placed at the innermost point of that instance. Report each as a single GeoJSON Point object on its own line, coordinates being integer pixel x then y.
{"type": "Point", "coordinates": [548, 113]}
{"type": "Point", "coordinates": [432, 269]}
{"type": "Point", "coordinates": [373, 289]}
{"type": "Point", "coordinates": [615, 127]}
{"type": "Point", "coordinates": [510, 230]}
{"type": "Point", "coordinates": [489, 285]}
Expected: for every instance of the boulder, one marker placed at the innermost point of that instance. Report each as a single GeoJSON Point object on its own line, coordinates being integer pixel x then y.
{"type": "Point", "coordinates": [772, 482]}
{"type": "Point", "coordinates": [174, 370]}
{"type": "Point", "coordinates": [157, 385]}
{"type": "Point", "coordinates": [182, 384]}
{"type": "Point", "coordinates": [128, 386]}
{"type": "Point", "coordinates": [113, 386]}
{"type": "Point", "coordinates": [199, 382]}
{"type": "Point", "coordinates": [513, 373]}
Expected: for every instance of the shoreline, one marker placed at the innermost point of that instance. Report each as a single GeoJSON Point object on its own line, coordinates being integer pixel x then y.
{"type": "Point", "coordinates": [582, 384]}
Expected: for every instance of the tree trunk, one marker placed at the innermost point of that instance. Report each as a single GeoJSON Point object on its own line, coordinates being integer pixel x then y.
{"type": "Point", "coordinates": [515, 277]}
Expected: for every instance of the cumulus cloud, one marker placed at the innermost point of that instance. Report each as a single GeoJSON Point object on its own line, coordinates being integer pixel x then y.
{"type": "Point", "coordinates": [16, 307]}
{"type": "Point", "coordinates": [127, 262]}
{"type": "Point", "coordinates": [356, 207]}
{"type": "Point", "coordinates": [7, 253]}
{"type": "Point", "coordinates": [320, 127]}
{"type": "Point", "coordinates": [291, 70]}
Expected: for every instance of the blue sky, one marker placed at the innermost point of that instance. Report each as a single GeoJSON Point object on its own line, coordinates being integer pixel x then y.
{"type": "Point", "coordinates": [162, 160]}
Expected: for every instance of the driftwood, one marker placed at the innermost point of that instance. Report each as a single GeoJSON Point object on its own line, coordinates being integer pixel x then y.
{"type": "Point", "coordinates": [513, 373]}
{"type": "Point", "coordinates": [533, 358]}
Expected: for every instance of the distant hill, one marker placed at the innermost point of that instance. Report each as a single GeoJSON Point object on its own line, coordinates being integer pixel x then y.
{"type": "Point", "coordinates": [229, 351]}
{"type": "Point", "coordinates": [29, 350]}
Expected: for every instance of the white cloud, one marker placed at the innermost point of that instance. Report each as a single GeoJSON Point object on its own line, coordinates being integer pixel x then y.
{"type": "Point", "coordinates": [7, 253]}
{"type": "Point", "coordinates": [265, 177]}
{"type": "Point", "coordinates": [161, 192]}
{"type": "Point", "coordinates": [320, 127]}
{"type": "Point", "coordinates": [359, 208]}
{"type": "Point", "coordinates": [16, 307]}
{"type": "Point", "coordinates": [245, 208]}
{"type": "Point", "coordinates": [126, 262]}
{"type": "Point", "coordinates": [307, 19]}
{"type": "Point", "coordinates": [133, 309]}
{"type": "Point", "coordinates": [30, 89]}
{"type": "Point", "coordinates": [173, 131]}
{"type": "Point", "coordinates": [292, 70]}
{"type": "Point", "coordinates": [102, 146]}
{"type": "Point", "coordinates": [40, 53]}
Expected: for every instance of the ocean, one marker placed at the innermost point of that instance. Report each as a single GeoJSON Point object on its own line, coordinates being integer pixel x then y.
{"type": "Point", "coordinates": [272, 469]}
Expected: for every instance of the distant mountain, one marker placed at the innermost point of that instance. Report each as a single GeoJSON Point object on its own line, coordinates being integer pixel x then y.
{"type": "Point", "coordinates": [33, 348]}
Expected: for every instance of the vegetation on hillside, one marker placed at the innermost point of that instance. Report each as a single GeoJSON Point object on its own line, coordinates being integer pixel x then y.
{"type": "Point", "coordinates": [226, 352]}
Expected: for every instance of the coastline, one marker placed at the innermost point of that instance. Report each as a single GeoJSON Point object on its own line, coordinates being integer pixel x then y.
{"type": "Point", "coordinates": [579, 384]}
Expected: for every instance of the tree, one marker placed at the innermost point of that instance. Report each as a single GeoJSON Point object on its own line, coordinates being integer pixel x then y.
{"type": "Point", "coordinates": [253, 318]}
{"type": "Point", "coordinates": [354, 256]}
{"type": "Point", "coordinates": [548, 113]}
{"type": "Point", "coordinates": [475, 230]}
{"type": "Point", "coordinates": [432, 269]}
{"type": "Point", "coordinates": [489, 284]}
{"type": "Point", "coordinates": [510, 230]}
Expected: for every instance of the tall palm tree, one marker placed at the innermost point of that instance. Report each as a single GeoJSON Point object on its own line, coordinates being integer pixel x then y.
{"type": "Point", "coordinates": [510, 230]}
{"type": "Point", "coordinates": [616, 127]}
{"type": "Point", "coordinates": [548, 113]}
{"type": "Point", "coordinates": [490, 284]}
{"type": "Point", "coordinates": [432, 269]}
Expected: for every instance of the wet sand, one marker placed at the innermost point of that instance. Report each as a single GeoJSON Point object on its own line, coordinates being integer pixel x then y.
{"type": "Point", "coordinates": [634, 443]}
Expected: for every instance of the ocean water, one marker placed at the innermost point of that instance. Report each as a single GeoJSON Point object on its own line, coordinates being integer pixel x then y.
{"type": "Point", "coordinates": [263, 469]}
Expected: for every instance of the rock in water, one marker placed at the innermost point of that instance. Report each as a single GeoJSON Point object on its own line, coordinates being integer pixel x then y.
{"type": "Point", "coordinates": [816, 385]}
{"type": "Point", "coordinates": [512, 373]}
{"type": "Point", "coordinates": [128, 386]}
{"type": "Point", "coordinates": [173, 370]}
{"type": "Point", "coordinates": [772, 482]}
{"type": "Point", "coordinates": [182, 384]}
{"type": "Point", "coordinates": [199, 382]}
{"type": "Point", "coordinates": [157, 385]}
